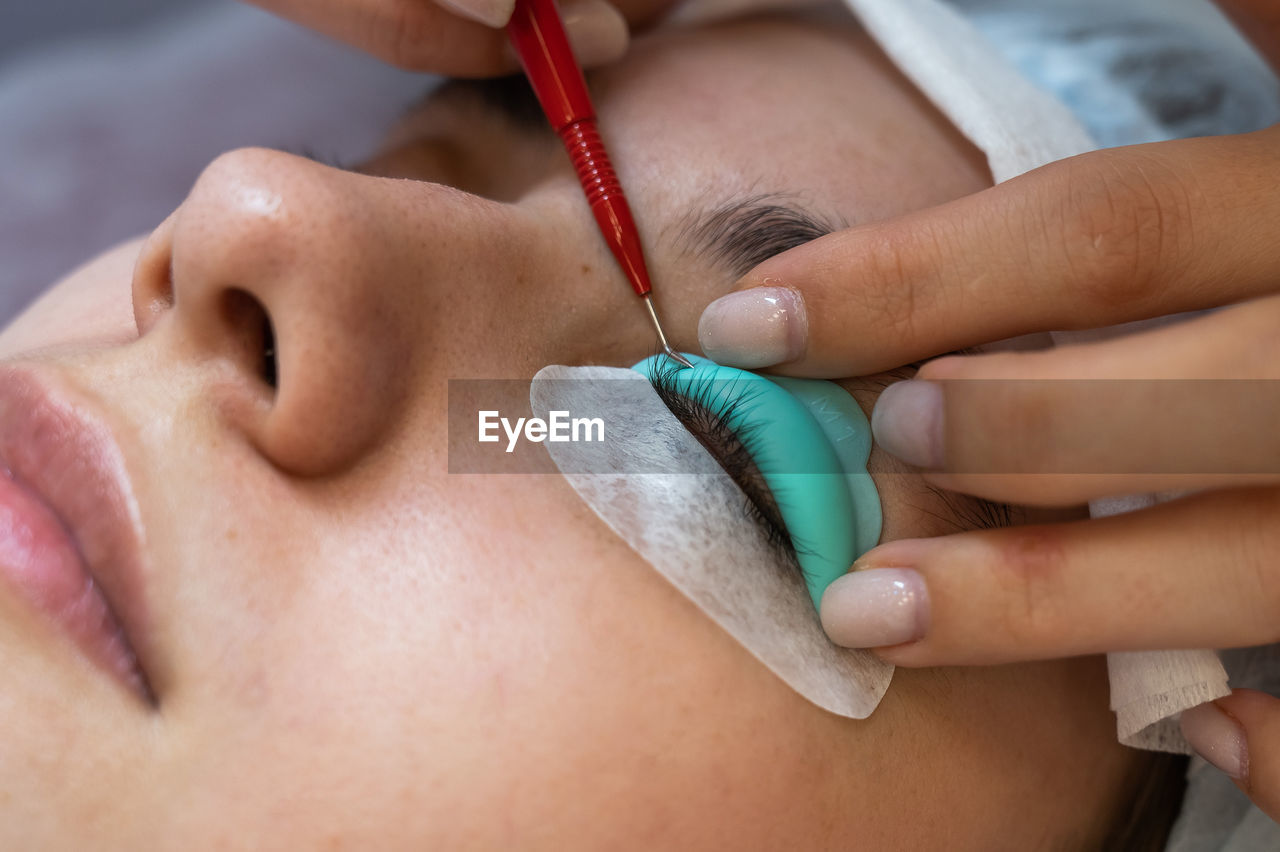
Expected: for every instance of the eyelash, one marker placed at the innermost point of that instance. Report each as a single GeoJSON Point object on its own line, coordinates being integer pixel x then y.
{"type": "Point", "coordinates": [706, 419]}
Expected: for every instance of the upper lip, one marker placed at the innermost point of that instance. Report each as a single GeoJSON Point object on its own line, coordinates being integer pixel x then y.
{"type": "Point", "coordinates": [69, 458]}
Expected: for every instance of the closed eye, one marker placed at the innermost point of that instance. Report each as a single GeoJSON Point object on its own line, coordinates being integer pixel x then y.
{"type": "Point", "coordinates": [706, 418]}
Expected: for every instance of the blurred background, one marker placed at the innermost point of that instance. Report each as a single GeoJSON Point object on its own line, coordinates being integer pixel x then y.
{"type": "Point", "coordinates": [109, 110]}
{"type": "Point", "coordinates": [30, 25]}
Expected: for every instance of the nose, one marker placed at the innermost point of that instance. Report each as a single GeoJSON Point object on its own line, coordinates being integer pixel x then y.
{"type": "Point", "coordinates": [307, 296]}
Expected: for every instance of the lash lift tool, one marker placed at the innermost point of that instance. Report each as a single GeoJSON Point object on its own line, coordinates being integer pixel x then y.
{"type": "Point", "coordinates": [537, 34]}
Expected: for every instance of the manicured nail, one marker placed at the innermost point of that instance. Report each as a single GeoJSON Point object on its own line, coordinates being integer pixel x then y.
{"type": "Point", "coordinates": [597, 32]}
{"type": "Point", "coordinates": [491, 13]}
{"type": "Point", "coordinates": [907, 422]}
{"type": "Point", "coordinates": [1217, 738]}
{"type": "Point", "coordinates": [752, 328]}
{"type": "Point", "coordinates": [876, 607]}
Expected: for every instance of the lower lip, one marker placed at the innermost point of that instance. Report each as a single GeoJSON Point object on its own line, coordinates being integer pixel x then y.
{"type": "Point", "coordinates": [39, 559]}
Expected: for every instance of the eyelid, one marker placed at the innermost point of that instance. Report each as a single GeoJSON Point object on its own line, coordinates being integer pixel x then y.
{"type": "Point", "coordinates": [729, 450]}
{"type": "Point", "coordinates": [810, 441]}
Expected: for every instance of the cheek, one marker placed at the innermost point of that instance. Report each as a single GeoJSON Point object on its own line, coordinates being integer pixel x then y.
{"type": "Point", "coordinates": [91, 307]}
{"type": "Point", "coordinates": [514, 657]}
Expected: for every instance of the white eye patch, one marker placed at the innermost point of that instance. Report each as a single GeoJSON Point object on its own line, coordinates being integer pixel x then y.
{"type": "Point", "coordinates": [664, 494]}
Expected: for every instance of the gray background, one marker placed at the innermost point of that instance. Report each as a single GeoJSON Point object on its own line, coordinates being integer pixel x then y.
{"type": "Point", "coordinates": [32, 24]}
{"type": "Point", "coordinates": [110, 109]}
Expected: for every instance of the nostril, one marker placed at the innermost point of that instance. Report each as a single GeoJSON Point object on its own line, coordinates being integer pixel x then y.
{"type": "Point", "coordinates": [251, 325]}
{"type": "Point", "coordinates": [153, 293]}
{"type": "Point", "coordinates": [270, 372]}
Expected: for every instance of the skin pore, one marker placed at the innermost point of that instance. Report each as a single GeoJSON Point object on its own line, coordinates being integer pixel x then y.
{"type": "Point", "coordinates": [351, 648]}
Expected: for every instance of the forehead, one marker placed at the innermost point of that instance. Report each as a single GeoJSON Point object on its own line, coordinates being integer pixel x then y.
{"type": "Point", "coordinates": [806, 106]}
{"type": "Point", "coordinates": [717, 112]}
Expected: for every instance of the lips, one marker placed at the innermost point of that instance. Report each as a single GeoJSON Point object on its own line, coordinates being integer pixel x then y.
{"type": "Point", "coordinates": [69, 528]}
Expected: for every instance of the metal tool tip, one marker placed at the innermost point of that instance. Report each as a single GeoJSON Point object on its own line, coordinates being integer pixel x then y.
{"type": "Point", "coordinates": [677, 357]}
{"type": "Point", "coordinates": [662, 338]}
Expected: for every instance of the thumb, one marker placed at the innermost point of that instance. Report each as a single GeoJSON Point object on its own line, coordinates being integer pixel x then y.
{"type": "Point", "coordinates": [1240, 735]}
{"type": "Point", "coordinates": [491, 13]}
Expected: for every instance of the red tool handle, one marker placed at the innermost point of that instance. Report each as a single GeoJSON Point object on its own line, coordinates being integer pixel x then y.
{"type": "Point", "coordinates": [537, 34]}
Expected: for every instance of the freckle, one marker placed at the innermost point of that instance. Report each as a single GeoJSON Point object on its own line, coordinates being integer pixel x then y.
{"type": "Point", "coordinates": [586, 270]}
{"type": "Point", "coordinates": [232, 535]}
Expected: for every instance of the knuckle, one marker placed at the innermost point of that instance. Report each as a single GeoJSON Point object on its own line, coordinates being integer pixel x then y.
{"type": "Point", "coordinates": [1255, 549]}
{"type": "Point", "coordinates": [1125, 221]}
{"type": "Point", "coordinates": [1030, 566]}
{"type": "Point", "coordinates": [890, 286]}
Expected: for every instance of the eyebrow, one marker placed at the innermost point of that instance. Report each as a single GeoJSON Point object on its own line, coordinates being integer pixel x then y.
{"type": "Point", "coordinates": [738, 234]}
{"type": "Point", "coordinates": [744, 232]}
{"type": "Point", "coordinates": [510, 98]}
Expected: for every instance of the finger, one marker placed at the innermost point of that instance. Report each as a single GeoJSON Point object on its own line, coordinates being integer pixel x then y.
{"type": "Point", "coordinates": [1240, 734]}
{"type": "Point", "coordinates": [1194, 573]}
{"type": "Point", "coordinates": [422, 36]}
{"type": "Point", "coordinates": [1193, 405]}
{"type": "Point", "coordinates": [496, 13]}
{"type": "Point", "coordinates": [414, 34]}
{"type": "Point", "coordinates": [1103, 238]}
{"type": "Point", "coordinates": [491, 13]}
{"type": "Point", "coordinates": [1259, 21]}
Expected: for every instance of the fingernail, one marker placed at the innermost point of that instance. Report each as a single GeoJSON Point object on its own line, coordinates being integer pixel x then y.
{"type": "Point", "coordinates": [491, 13]}
{"type": "Point", "coordinates": [876, 607]}
{"type": "Point", "coordinates": [907, 422]}
{"type": "Point", "coordinates": [1216, 737]}
{"type": "Point", "coordinates": [597, 32]}
{"type": "Point", "coordinates": [759, 327]}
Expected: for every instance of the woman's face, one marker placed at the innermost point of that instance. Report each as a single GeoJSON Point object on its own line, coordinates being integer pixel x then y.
{"type": "Point", "coordinates": [346, 646]}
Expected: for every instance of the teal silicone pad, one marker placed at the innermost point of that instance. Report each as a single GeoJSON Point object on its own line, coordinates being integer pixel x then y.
{"type": "Point", "coordinates": [810, 441]}
{"type": "Point", "coordinates": [849, 434]}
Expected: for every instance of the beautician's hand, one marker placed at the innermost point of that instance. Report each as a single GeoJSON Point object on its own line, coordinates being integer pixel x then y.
{"type": "Point", "coordinates": [463, 37]}
{"type": "Point", "coordinates": [1104, 238]}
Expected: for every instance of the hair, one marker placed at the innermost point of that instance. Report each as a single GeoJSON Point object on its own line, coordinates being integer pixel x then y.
{"type": "Point", "coordinates": [1145, 820]}
{"type": "Point", "coordinates": [512, 97]}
